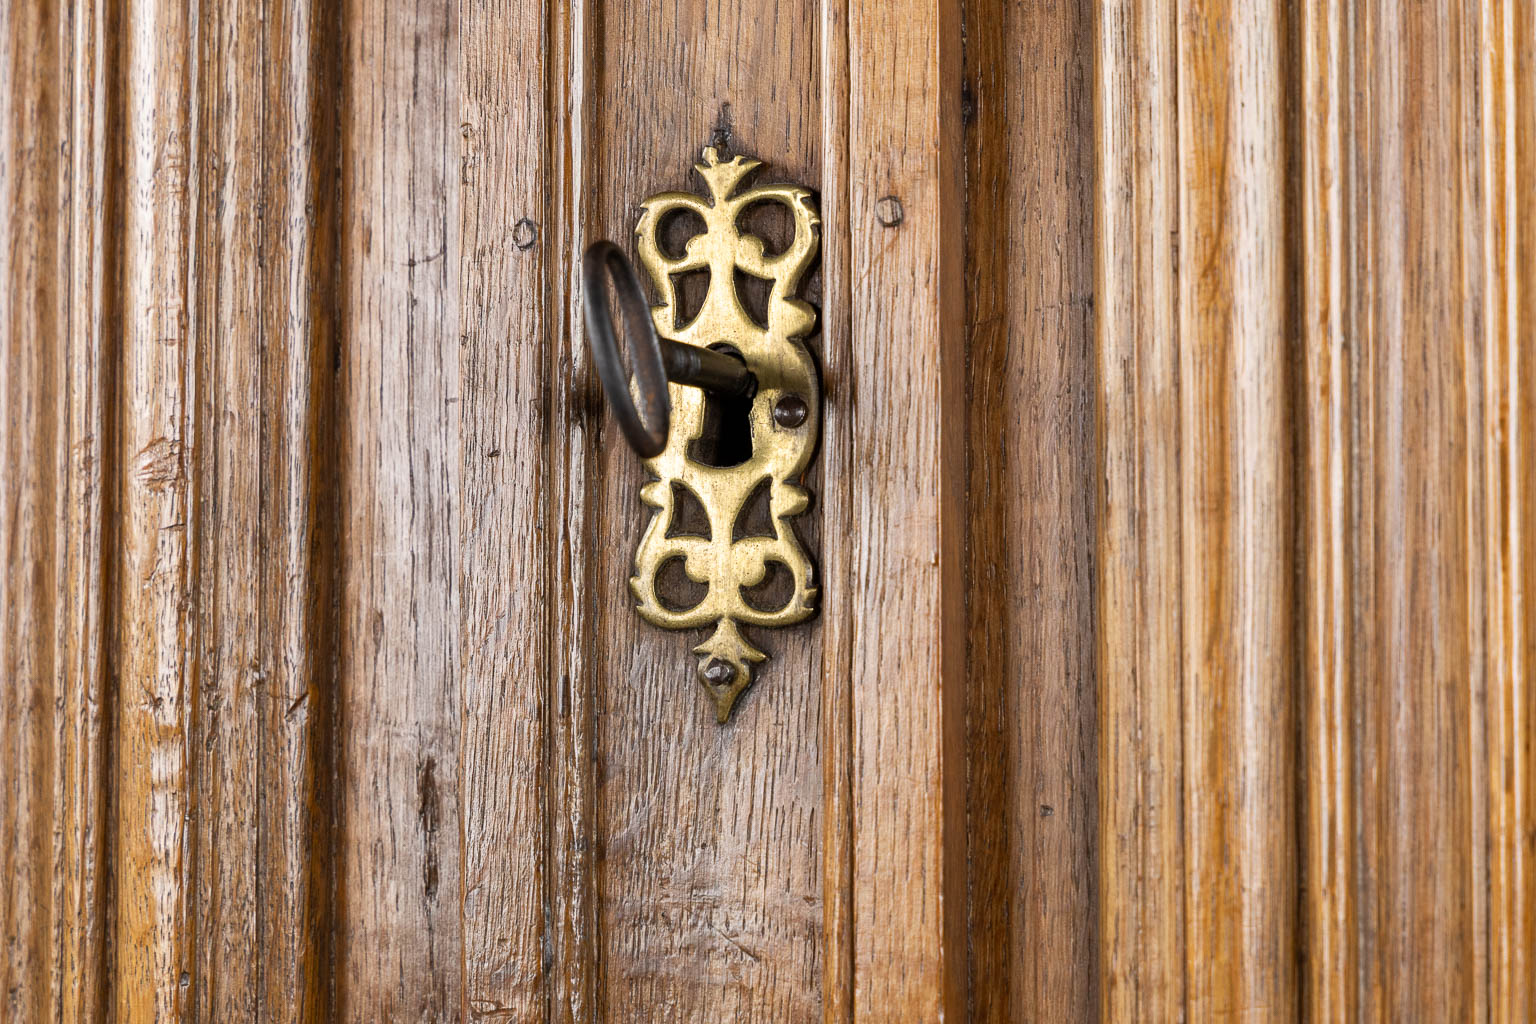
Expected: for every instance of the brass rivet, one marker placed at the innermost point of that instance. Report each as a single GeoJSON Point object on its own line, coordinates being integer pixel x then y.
{"type": "Point", "coordinates": [790, 411]}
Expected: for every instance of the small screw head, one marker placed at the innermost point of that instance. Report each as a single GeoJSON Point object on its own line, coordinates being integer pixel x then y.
{"type": "Point", "coordinates": [524, 233]}
{"type": "Point", "coordinates": [719, 673]}
{"type": "Point", "coordinates": [790, 411]}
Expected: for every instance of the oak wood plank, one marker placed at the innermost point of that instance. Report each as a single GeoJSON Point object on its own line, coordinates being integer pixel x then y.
{"type": "Point", "coordinates": [506, 328]}
{"type": "Point", "coordinates": [151, 575]}
{"type": "Point", "coordinates": [1417, 646]}
{"type": "Point", "coordinates": [569, 694]}
{"type": "Point", "coordinates": [1330, 824]}
{"type": "Point", "coordinates": [904, 517]}
{"type": "Point", "coordinates": [1139, 629]}
{"type": "Point", "coordinates": [706, 861]}
{"type": "Point", "coordinates": [33, 391]}
{"type": "Point", "coordinates": [397, 951]}
{"type": "Point", "coordinates": [229, 679]}
{"type": "Point", "coordinates": [1032, 761]}
{"type": "Point", "coordinates": [839, 947]}
{"type": "Point", "coordinates": [1508, 73]}
{"type": "Point", "coordinates": [295, 916]}
{"type": "Point", "coordinates": [83, 714]}
{"type": "Point", "coordinates": [1234, 450]}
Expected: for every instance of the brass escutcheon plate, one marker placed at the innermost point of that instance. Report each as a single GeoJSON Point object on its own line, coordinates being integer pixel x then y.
{"type": "Point", "coordinates": [781, 445]}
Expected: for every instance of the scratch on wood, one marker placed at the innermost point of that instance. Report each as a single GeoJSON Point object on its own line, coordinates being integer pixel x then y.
{"type": "Point", "coordinates": [157, 466]}
{"type": "Point", "coordinates": [428, 811]}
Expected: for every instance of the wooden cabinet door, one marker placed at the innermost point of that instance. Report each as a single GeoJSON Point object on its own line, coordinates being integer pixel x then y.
{"type": "Point", "coordinates": [1172, 517]}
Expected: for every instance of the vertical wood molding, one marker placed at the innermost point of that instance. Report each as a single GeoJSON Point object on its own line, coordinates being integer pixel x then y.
{"type": "Point", "coordinates": [184, 203]}
{"type": "Point", "coordinates": [1418, 566]}
{"type": "Point", "coordinates": [79, 974]}
{"type": "Point", "coordinates": [839, 629]}
{"type": "Point", "coordinates": [1508, 72]}
{"type": "Point", "coordinates": [570, 705]}
{"type": "Point", "coordinates": [263, 583]}
{"type": "Point", "coordinates": [52, 805]}
{"type": "Point", "coordinates": [1235, 548]}
{"type": "Point", "coordinates": [1029, 280]}
{"type": "Point", "coordinates": [153, 626]}
{"type": "Point", "coordinates": [1140, 622]}
{"type": "Point", "coordinates": [508, 255]}
{"type": "Point", "coordinates": [902, 514]}
{"type": "Point", "coordinates": [299, 228]}
{"type": "Point", "coordinates": [1329, 818]}
{"type": "Point", "coordinates": [1196, 755]}
{"type": "Point", "coordinates": [1402, 517]}
{"type": "Point", "coordinates": [398, 948]}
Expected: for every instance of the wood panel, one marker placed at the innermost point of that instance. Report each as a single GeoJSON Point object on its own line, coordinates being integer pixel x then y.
{"type": "Point", "coordinates": [900, 511]}
{"type": "Point", "coordinates": [1140, 621]}
{"type": "Point", "coordinates": [1032, 762]}
{"type": "Point", "coordinates": [708, 869]}
{"type": "Point", "coordinates": [397, 715]}
{"type": "Point", "coordinates": [1235, 545]}
{"type": "Point", "coordinates": [507, 260]}
{"type": "Point", "coordinates": [148, 586]}
{"type": "Point", "coordinates": [1507, 71]}
{"type": "Point", "coordinates": [52, 601]}
{"type": "Point", "coordinates": [1329, 816]}
{"type": "Point", "coordinates": [1195, 614]}
{"type": "Point", "coordinates": [570, 923]}
{"type": "Point", "coordinates": [262, 585]}
{"type": "Point", "coordinates": [1174, 516]}
{"type": "Point", "coordinates": [184, 775]}
{"type": "Point", "coordinates": [1417, 348]}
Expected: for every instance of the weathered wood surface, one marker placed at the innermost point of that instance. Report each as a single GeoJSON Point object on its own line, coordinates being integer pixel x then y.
{"type": "Point", "coordinates": [1032, 799]}
{"type": "Point", "coordinates": [708, 865]}
{"type": "Point", "coordinates": [896, 525]}
{"type": "Point", "coordinates": [1312, 330]}
{"type": "Point", "coordinates": [1174, 516]}
{"type": "Point", "coordinates": [1141, 851]}
{"type": "Point", "coordinates": [1417, 261]}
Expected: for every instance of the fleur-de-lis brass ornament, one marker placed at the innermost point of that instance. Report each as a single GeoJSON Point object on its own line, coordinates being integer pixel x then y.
{"type": "Point", "coordinates": [784, 420]}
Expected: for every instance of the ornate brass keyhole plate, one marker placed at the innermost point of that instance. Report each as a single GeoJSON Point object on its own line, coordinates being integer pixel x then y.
{"type": "Point", "coordinates": [784, 421]}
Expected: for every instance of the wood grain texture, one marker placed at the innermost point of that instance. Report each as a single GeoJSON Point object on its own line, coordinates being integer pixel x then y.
{"type": "Point", "coordinates": [570, 699]}
{"type": "Point", "coordinates": [261, 589]}
{"type": "Point", "coordinates": [708, 868]}
{"type": "Point", "coordinates": [1236, 620]}
{"type": "Point", "coordinates": [184, 448]}
{"type": "Point", "coordinates": [34, 189]}
{"type": "Point", "coordinates": [52, 601]}
{"type": "Point", "coordinates": [1174, 518]}
{"type": "Point", "coordinates": [504, 630]}
{"type": "Point", "coordinates": [902, 512]}
{"type": "Point", "coordinates": [1032, 761]}
{"type": "Point", "coordinates": [1414, 764]}
{"type": "Point", "coordinates": [151, 577]}
{"type": "Point", "coordinates": [1508, 74]}
{"type": "Point", "coordinates": [398, 945]}
{"type": "Point", "coordinates": [839, 948]}
{"type": "Point", "coordinates": [1140, 622]}
{"type": "Point", "coordinates": [298, 573]}
{"type": "Point", "coordinates": [1329, 821]}
{"type": "Point", "coordinates": [1420, 630]}
{"type": "Point", "coordinates": [264, 583]}
{"type": "Point", "coordinates": [1196, 754]}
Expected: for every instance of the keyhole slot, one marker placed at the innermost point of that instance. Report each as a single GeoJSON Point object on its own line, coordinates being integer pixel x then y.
{"type": "Point", "coordinates": [726, 437]}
